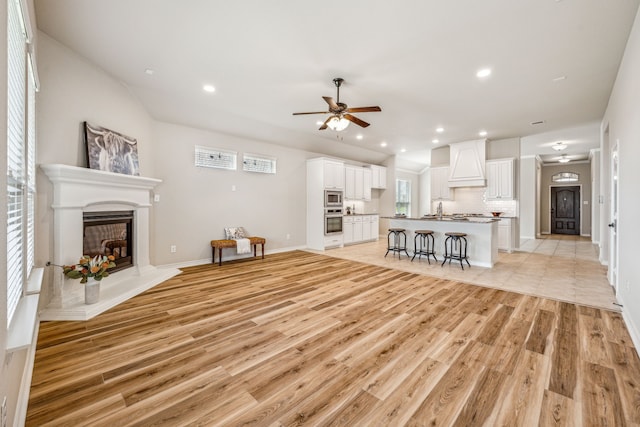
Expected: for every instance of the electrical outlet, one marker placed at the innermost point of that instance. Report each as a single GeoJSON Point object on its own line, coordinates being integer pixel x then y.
{"type": "Point", "coordinates": [156, 198]}
{"type": "Point", "coordinates": [3, 413]}
{"type": "Point", "coordinates": [173, 249]}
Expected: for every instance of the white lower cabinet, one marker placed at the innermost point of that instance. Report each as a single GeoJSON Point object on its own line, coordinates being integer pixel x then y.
{"type": "Point", "coordinates": [359, 228]}
{"type": "Point", "coordinates": [506, 234]}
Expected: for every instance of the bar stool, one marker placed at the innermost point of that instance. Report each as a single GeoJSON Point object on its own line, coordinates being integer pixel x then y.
{"type": "Point", "coordinates": [455, 240]}
{"type": "Point", "coordinates": [397, 245]}
{"type": "Point", "coordinates": [426, 241]}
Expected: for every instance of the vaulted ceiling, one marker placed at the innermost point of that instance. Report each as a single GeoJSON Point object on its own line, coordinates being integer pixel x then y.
{"type": "Point", "coordinates": [552, 61]}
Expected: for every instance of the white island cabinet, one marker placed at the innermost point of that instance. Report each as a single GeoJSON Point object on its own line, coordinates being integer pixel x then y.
{"type": "Point", "coordinates": [482, 236]}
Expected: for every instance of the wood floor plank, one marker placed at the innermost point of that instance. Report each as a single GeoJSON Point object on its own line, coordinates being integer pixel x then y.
{"type": "Point", "coordinates": [302, 338]}
{"type": "Point", "coordinates": [602, 405]}
{"type": "Point", "coordinates": [558, 410]}
{"type": "Point", "coordinates": [626, 364]}
{"type": "Point", "coordinates": [522, 400]}
{"type": "Point", "coordinates": [444, 402]}
{"type": "Point", "coordinates": [539, 337]}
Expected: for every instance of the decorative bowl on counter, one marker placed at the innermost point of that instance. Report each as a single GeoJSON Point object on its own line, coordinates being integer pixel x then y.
{"type": "Point", "coordinates": [496, 214]}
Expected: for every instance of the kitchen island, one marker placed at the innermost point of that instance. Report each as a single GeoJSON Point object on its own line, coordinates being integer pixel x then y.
{"type": "Point", "coordinates": [482, 235]}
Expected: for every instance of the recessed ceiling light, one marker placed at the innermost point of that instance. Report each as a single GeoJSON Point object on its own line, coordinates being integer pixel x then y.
{"type": "Point", "coordinates": [403, 150]}
{"type": "Point", "coordinates": [435, 141]}
{"type": "Point", "coordinates": [559, 79]}
{"type": "Point", "coordinates": [483, 73]}
{"type": "Point", "coordinates": [359, 136]}
{"type": "Point", "coordinates": [564, 159]}
{"type": "Point", "coordinates": [482, 133]}
{"type": "Point", "coordinates": [440, 129]}
{"type": "Point", "coordinates": [149, 71]}
{"type": "Point", "coordinates": [208, 88]}
{"type": "Point", "coordinates": [383, 144]}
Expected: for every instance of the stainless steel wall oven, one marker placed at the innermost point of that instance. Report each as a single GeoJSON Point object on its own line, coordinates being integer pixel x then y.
{"type": "Point", "coordinates": [332, 221]}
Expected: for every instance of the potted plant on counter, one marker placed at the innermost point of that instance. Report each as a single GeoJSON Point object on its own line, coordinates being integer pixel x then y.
{"type": "Point", "coordinates": [90, 271]}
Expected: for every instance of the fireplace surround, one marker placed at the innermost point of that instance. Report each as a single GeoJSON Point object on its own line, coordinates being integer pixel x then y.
{"type": "Point", "coordinates": [78, 192]}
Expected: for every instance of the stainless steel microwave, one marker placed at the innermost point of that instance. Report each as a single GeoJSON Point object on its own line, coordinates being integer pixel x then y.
{"type": "Point", "coordinates": [332, 198]}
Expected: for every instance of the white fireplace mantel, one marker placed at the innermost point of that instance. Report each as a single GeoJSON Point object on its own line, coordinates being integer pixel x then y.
{"type": "Point", "coordinates": [75, 191]}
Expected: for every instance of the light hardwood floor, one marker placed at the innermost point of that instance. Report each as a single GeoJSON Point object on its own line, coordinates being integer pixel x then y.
{"type": "Point", "coordinates": [307, 339]}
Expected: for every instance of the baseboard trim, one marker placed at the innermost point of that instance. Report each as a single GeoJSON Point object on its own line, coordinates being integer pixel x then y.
{"type": "Point", "coordinates": [631, 327]}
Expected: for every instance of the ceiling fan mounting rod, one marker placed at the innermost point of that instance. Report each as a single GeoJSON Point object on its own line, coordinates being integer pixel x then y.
{"type": "Point", "coordinates": [338, 82]}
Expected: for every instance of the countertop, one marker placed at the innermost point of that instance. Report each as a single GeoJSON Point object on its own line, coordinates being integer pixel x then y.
{"type": "Point", "coordinates": [472, 219]}
{"type": "Point", "coordinates": [361, 214]}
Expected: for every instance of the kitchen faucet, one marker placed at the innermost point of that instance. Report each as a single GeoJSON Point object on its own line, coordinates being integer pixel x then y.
{"type": "Point", "coordinates": [439, 211]}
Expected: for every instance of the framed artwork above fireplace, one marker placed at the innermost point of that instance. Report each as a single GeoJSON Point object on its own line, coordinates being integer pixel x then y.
{"type": "Point", "coordinates": [110, 151]}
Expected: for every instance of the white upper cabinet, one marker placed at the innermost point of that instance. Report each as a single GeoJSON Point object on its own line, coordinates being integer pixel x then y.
{"type": "Point", "coordinates": [467, 164]}
{"type": "Point", "coordinates": [378, 176]}
{"type": "Point", "coordinates": [357, 183]}
{"type": "Point", "coordinates": [333, 175]}
{"type": "Point", "coordinates": [500, 179]}
{"type": "Point", "coordinates": [366, 190]}
{"type": "Point", "coordinates": [440, 184]}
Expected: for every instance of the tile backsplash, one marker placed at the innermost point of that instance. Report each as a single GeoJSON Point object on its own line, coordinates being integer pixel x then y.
{"type": "Point", "coordinates": [473, 200]}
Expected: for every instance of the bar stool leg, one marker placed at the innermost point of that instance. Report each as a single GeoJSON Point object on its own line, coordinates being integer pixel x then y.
{"type": "Point", "coordinates": [416, 251]}
{"type": "Point", "coordinates": [405, 245]}
{"type": "Point", "coordinates": [388, 245]}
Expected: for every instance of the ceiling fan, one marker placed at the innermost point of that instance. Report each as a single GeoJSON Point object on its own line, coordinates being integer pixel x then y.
{"type": "Point", "coordinates": [340, 112]}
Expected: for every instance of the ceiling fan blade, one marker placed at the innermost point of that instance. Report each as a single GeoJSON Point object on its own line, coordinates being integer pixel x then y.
{"type": "Point", "coordinates": [363, 109]}
{"type": "Point", "coordinates": [324, 125]}
{"type": "Point", "coordinates": [314, 112]}
{"type": "Point", "coordinates": [356, 120]}
{"type": "Point", "coordinates": [332, 104]}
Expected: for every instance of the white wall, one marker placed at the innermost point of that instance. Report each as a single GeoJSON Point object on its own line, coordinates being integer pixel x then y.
{"type": "Point", "coordinates": [196, 204]}
{"type": "Point", "coordinates": [72, 91]}
{"type": "Point", "coordinates": [527, 192]}
{"type": "Point", "coordinates": [621, 117]}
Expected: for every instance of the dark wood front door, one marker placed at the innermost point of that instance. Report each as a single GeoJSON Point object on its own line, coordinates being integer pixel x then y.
{"type": "Point", "coordinates": [565, 210]}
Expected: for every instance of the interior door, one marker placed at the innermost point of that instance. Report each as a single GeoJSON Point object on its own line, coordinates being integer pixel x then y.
{"type": "Point", "coordinates": [565, 210]}
{"type": "Point", "coordinates": [613, 225]}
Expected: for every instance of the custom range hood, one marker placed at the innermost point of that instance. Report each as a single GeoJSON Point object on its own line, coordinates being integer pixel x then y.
{"type": "Point", "coordinates": [467, 164]}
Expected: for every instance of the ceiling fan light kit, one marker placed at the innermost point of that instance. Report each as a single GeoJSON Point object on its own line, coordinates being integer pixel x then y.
{"type": "Point", "coordinates": [340, 112]}
{"type": "Point", "coordinates": [337, 123]}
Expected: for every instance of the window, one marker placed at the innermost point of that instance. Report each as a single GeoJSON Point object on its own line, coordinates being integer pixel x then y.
{"type": "Point", "coordinates": [216, 158]}
{"type": "Point", "coordinates": [565, 177]}
{"type": "Point", "coordinates": [257, 163]}
{"type": "Point", "coordinates": [21, 140]}
{"type": "Point", "coordinates": [403, 197]}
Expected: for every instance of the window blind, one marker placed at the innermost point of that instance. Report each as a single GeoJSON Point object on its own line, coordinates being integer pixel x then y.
{"type": "Point", "coordinates": [16, 91]}
{"type": "Point", "coordinates": [31, 167]}
{"type": "Point", "coordinates": [17, 220]}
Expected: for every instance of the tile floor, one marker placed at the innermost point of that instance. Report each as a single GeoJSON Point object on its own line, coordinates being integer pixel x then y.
{"type": "Point", "coordinates": [564, 268]}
